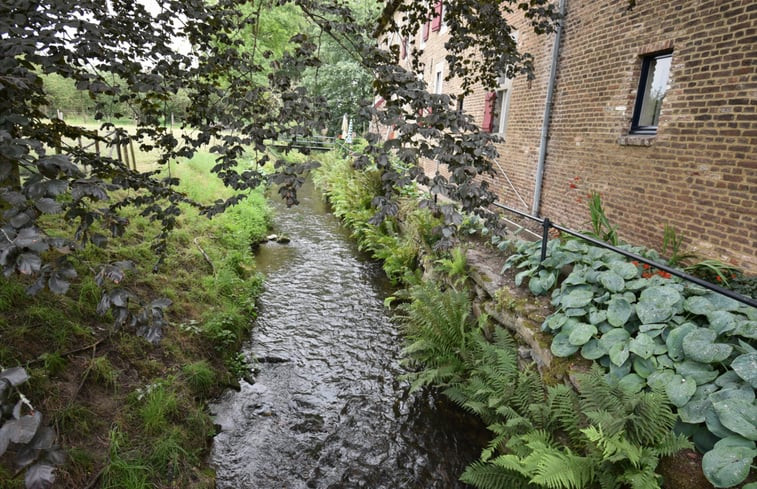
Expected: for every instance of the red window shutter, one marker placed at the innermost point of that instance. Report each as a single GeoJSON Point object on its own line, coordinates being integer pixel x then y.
{"type": "Point", "coordinates": [489, 99]}
{"type": "Point", "coordinates": [426, 29]}
{"type": "Point", "coordinates": [436, 23]}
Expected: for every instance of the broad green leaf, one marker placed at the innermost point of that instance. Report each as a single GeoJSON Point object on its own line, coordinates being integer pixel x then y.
{"type": "Point", "coordinates": [743, 393]}
{"type": "Point", "coordinates": [680, 389]}
{"type": "Point", "coordinates": [665, 361]}
{"type": "Point", "coordinates": [632, 383]}
{"type": "Point", "coordinates": [747, 329]}
{"type": "Point", "coordinates": [712, 420]}
{"type": "Point", "coordinates": [642, 346]}
{"type": "Point", "coordinates": [593, 350]}
{"type": "Point", "coordinates": [556, 321]}
{"type": "Point", "coordinates": [617, 372]}
{"type": "Point", "coordinates": [575, 312]}
{"type": "Point", "coordinates": [581, 334]}
{"type": "Point", "coordinates": [612, 281]}
{"type": "Point", "coordinates": [660, 378]}
{"type": "Point", "coordinates": [619, 353]}
{"type": "Point", "coordinates": [745, 367]}
{"type": "Point", "coordinates": [618, 312]}
{"type": "Point", "coordinates": [702, 373]}
{"type": "Point", "coordinates": [615, 335]}
{"type": "Point", "coordinates": [596, 317]}
{"type": "Point", "coordinates": [722, 303]}
{"type": "Point", "coordinates": [561, 345]}
{"type": "Point", "coordinates": [699, 345]}
{"type": "Point", "coordinates": [541, 284]}
{"type": "Point", "coordinates": [625, 269]}
{"type": "Point", "coordinates": [644, 367]}
{"type": "Point", "coordinates": [728, 463]}
{"type": "Point", "coordinates": [721, 321]}
{"type": "Point", "coordinates": [653, 329]}
{"type": "Point", "coordinates": [698, 305]}
{"type": "Point", "coordinates": [657, 304]}
{"type": "Point", "coordinates": [521, 275]}
{"type": "Point", "coordinates": [637, 284]}
{"type": "Point", "coordinates": [578, 297]}
{"type": "Point", "coordinates": [694, 410]}
{"type": "Point", "coordinates": [729, 377]}
{"type": "Point", "coordinates": [739, 416]}
{"type": "Point", "coordinates": [675, 340]}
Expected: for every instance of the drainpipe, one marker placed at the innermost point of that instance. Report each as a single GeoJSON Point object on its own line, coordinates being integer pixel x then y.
{"type": "Point", "coordinates": [547, 114]}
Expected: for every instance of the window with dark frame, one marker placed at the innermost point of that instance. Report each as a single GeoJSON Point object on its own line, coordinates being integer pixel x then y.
{"type": "Point", "coordinates": [653, 85]}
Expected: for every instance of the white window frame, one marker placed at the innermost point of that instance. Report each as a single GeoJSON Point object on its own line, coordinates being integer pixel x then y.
{"type": "Point", "coordinates": [505, 87]}
{"type": "Point", "coordinates": [439, 78]}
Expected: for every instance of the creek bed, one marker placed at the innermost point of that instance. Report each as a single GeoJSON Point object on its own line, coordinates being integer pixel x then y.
{"type": "Point", "coordinates": [326, 409]}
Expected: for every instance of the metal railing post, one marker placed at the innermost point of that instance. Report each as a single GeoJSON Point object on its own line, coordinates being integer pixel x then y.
{"type": "Point", "coordinates": [545, 225]}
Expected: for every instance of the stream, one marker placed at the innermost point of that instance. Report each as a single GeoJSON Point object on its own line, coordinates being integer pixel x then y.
{"type": "Point", "coordinates": [326, 409]}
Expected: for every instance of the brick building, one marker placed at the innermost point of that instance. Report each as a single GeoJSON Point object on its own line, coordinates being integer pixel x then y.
{"type": "Point", "coordinates": [655, 107]}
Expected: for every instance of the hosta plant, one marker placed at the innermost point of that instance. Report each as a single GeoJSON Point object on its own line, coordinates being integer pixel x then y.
{"type": "Point", "coordinates": [651, 330]}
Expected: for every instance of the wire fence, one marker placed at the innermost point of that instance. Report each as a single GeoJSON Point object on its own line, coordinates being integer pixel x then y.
{"type": "Point", "coordinates": [547, 225]}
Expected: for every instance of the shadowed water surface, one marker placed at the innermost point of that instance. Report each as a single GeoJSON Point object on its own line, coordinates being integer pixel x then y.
{"type": "Point", "coordinates": [326, 409]}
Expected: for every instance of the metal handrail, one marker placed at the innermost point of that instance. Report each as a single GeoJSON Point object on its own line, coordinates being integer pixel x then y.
{"type": "Point", "coordinates": [547, 225]}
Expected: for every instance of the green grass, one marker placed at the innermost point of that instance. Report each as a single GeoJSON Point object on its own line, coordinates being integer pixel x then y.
{"type": "Point", "coordinates": [200, 377]}
{"type": "Point", "coordinates": [158, 406]}
{"type": "Point", "coordinates": [158, 438]}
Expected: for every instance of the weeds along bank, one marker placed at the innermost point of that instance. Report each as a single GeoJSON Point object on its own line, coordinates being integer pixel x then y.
{"type": "Point", "coordinates": [656, 366]}
{"type": "Point", "coordinates": [131, 414]}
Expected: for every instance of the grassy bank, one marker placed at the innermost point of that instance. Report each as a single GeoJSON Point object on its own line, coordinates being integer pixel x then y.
{"type": "Point", "coordinates": [131, 414]}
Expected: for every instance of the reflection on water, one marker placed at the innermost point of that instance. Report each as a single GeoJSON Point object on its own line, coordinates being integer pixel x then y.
{"type": "Point", "coordinates": [327, 409]}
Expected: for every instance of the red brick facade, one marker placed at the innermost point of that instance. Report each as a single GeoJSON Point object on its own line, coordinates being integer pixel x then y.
{"type": "Point", "coordinates": [698, 173]}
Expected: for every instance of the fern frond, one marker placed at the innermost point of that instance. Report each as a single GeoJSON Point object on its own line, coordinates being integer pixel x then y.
{"type": "Point", "coordinates": [653, 418]}
{"type": "Point", "coordinates": [615, 448]}
{"type": "Point", "coordinates": [671, 444]}
{"type": "Point", "coordinates": [644, 478]}
{"type": "Point", "coordinates": [563, 470]}
{"type": "Point", "coordinates": [489, 476]}
{"type": "Point", "coordinates": [565, 410]}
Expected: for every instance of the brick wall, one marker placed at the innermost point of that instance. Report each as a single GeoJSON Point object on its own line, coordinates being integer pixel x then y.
{"type": "Point", "coordinates": [697, 174]}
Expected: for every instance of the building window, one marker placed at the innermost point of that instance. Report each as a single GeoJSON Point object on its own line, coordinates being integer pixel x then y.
{"type": "Point", "coordinates": [496, 105]}
{"type": "Point", "coordinates": [653, 85]}
{"type": "Point", "coordinates": [439, 77]}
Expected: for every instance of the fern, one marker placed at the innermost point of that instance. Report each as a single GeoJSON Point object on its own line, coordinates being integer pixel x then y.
{"type": "Point", "coordinates": [563, 404]}
{"type": "Point", "coordinates": [488, 476]}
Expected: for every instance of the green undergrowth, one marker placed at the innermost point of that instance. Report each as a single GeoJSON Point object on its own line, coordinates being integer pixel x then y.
{"type": "Point", "coordinates": [600, 436]}
{"type": "Point", "coordinates": [130, 414]}
{"type": "Point", "coordinates": [399, 241]}
{"type": "Point", "coordinates": [651, 330]}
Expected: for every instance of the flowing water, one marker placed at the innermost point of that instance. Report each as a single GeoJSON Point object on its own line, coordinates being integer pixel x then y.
{"type": "Point", "coordinates": [326, 409]}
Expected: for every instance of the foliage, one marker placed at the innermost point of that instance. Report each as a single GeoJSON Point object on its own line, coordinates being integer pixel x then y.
{"type": "Point", "coordinates": [241, 93]}
{"type": "Point", "coordinates": [455, 266]}
{"type": "Point", "coordinates": [604, 436]}
{"type": "Point", "coordinates": [23, 433]}
{"type": "Point", "coordinates": [671, 244]}
{"type": "Point", "coordinates": [600, 224]}
{"type": "Point", "coordinates": [350, 194]}
{"type": "Point", "coordinates": [552, 437]}
{"type": "Point", "coordinates": [651, 330]}
{"type": "Point", "coordinates": [40, 330]}
{"type": "Point", "coordinates": [436, 324]}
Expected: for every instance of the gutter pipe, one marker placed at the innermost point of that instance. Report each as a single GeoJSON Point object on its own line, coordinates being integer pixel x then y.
{"type": "Point", "coordinates": [547, 114]}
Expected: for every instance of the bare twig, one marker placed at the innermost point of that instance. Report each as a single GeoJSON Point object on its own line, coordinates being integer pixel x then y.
{"type": "Point", "coordinates": [205, 255]}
